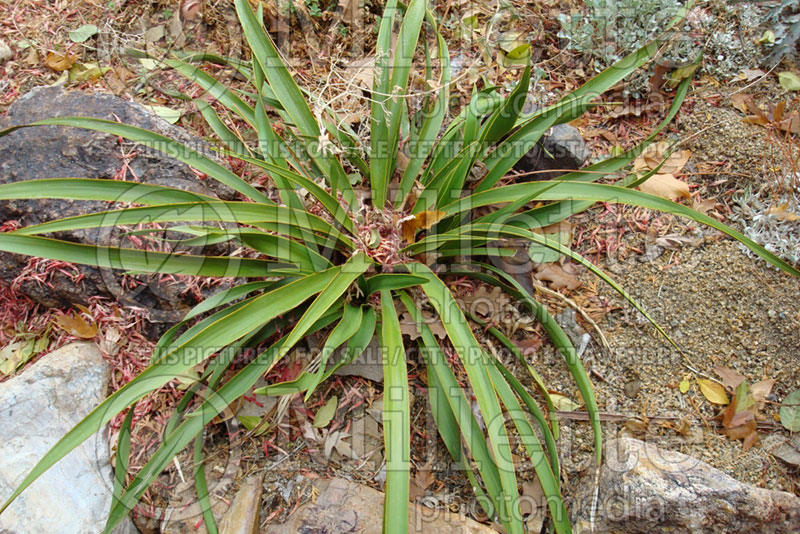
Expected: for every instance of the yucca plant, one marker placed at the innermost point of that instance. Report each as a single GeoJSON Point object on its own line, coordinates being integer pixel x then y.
{"type": "Point", "coordinates": [327, 258]}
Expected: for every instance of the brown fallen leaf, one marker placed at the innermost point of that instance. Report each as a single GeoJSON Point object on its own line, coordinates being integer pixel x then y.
{"type": "Point", "coordinates": [362, 73]}
{"type": "Point", "coordinates": [529, 345]}
{"type": "Point", "coordinates": [487, 304]}
{"type": "Point", "coordinates": [785, 449]}
{"type": "Point", "coordinates": [761, 120]}
{"type": "Point", "coordinates": [651, 156]}
{"type": "Point", "coordinates": [75, 325]}
{"type": "Point", "coordinates": [665, 186]}
{"type": "Point", "coordinates": [32, 59]}
{"type": "Point", "coordinates": [741, 101]}
{"type": "Point", "coordinates": [751, 74]}
{"type": "Point", "coordinates": [558, 278]}
{"type": "Point", "coordinates": [421, 481]}
{"type": "Point", "coordinates": [532, 497]}
{"type": "Point", "coordinates": [729, 377]}
{"type": "Point", "coordinates": [421, 221]}
{"type": "Point", "coordinates": [673, 164]}
{"type": "Point", "coordinates": [348, 9]}
{"type": "Point", "coordinates": [739, 418]}
{"type": "Point", "coordinates": [704, 206]}
{"type": "Point", "coordinates": [556, 228]}
{"type": "Point", "coordinates": [761, 391]}
{"type": "Point", "coordinates": [409, 327]}
{"type": "Point", "coordinates": [60, 62]}
{"type": "Point", "coordinates": [563, 403]}
{"type": "Point", "coordinates": [792, 124]}
{"type": "Point", "coordinates": [782, 213]}
{"type": "Point", "coordinates": [746, 432]}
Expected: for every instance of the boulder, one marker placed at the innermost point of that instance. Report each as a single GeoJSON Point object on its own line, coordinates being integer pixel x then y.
{"type": "Point", "coordinates": [644, 489]}
{"type": "Point", "coordinates": [37, 407]}
{"type": "Point", "coordinates": [561, 147]}
{"type": "Point", "coordinates": [59, 152]}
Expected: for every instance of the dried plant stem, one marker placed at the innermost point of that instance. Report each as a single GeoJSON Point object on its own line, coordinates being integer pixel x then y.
{"type": "Point", "coordinates": [572, 304]}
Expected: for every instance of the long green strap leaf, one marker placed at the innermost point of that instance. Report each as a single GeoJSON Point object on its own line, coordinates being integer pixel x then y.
{"type": "Point", "coordinates": [95, 189]}
{"type": "Point", "coordinates": [355, 347]}
{"type": "Point", "coordinates": [550, 435]}
{"type": "Point", "coordinates": [558, 211]}
{"type": "Point", "coordinates": [456, 406]}
{"type": "Point", "coordinates": [420, 148]}
{"type": "Point", "coordinates": [339, 212]}
{"type": "Point", "coordinates": [517, 145]}
{"type": "Point", "coordinates": [215, 402]}
{"type": "Point", "coordinates": [215, 89]}
{"type": "Point", "coordinates": [476, 366]}
{"type": "Point", "coordinates": [201, 486]}
{"type": "Point", "coordinates": [217, 211]}
{"type": "Point", "coordinates": [291, 98]}
{"type": "Point", "coordinates": [562, 342]}
{"type": "Point", "coordinates": [347, 328]}
{"type": "Point", "coordinates": [379, 117]}
{"type": "Point", "coordinates": [384, 149]}
{"type": "Point", "coordinates": [391, 281]}
{"type": "Point", "coordinates": [396, 420]}
{"type": "Point", "coordinates": [176, 360]}
{"type": "Point", "coordinates": [607, 193]}
{"type": "Point", "coordinates": [544, 473]}
{"type": "Point", "coordinates": [134, 260]}
{"type": "Point", "coordinates": [345, 276]}
{"type": "Point", "coordinates": [161, 143]}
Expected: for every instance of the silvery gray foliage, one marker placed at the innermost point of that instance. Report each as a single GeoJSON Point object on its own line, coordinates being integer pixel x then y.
{"type": "Point", "coordinates": [781, 237]}
{"type": "Point", "coordinates": [610, 29]}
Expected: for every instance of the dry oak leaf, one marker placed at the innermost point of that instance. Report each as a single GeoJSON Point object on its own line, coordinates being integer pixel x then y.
{"type": "Point", "coordinates": [792, 124]}
{"type": "Point", "coordinates": [704, 206]}
{"type": "Point", "coordinates": [421, 221]}
{"type": "Point", "coordinates": [361, 73]}
{"type": "Point", "coordinates": [751, 74]}
{"type": "Point", "coordinates": [191, 9]}
{"type": "Point", "coordinates": [761, 391]}
{"type": "Point", "coordinates": [739, 418]}
{"type": "Point", "coordinates": [530, 345]}
{"type": "Point", "coordinates": [557, 276]}
{"type": "Point", "coordinates": [409, 327]}
{"type": "Point", "coordinates": [665, 186]}
{"type": "Point", "coordinates": [487, 304]}
{"type": "Point", "coordinates": [742, 102]}
{"type": "Point", "coordinates": [421, 481]}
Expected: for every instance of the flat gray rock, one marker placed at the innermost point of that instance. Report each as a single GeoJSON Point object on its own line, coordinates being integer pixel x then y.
{"type": "Point", "coordinates": [644, 489]}
{"type": "Point", "coordinates": [37, 408]}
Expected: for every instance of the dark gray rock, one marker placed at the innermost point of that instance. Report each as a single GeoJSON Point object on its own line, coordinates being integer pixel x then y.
{"type": "Point", "coordinates": [58, 151]}
{"type": "Point", "coordinates": [562, 147]}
